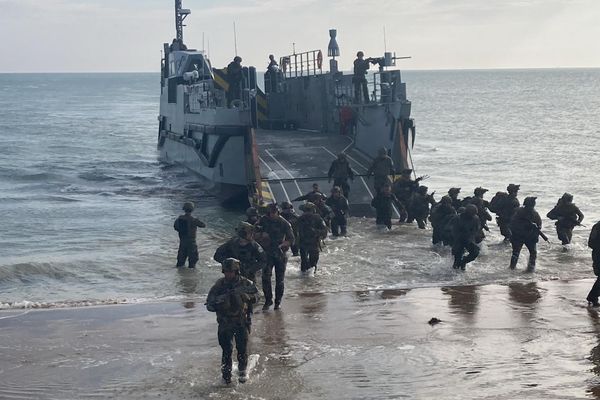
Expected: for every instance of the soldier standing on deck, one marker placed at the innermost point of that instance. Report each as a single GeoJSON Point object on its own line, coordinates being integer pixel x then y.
{"type": "Point", "coordinates": [287, 212]}
{"type": "Point", "coordinates": [234, 79]}
{"type": "Point", "coordinates": [280, 237]}
{"type": "Point", "coordinates": [525, 227]}
{"type": "Point", "coordinates": [341, 171]}
{"type": "Point", "coordinates": [359, 79]}
{"type": "Point", "coordinates": [504, 206]}
{"type": "Point", "coordinates": [311, 230]}
{"type": "Point", "coordinates": [594, 244]}
{"type": "Point", "coordinates": [186, 227]}
{"type": "Point", "coordinates": [339, 205]}
{"type": "Point", "coordinates": [230, 298]}
{"type": "Point", "coordinates": [567, 216]}
{"type": "Point", "coordinates": [464, 234]}
{"type": "Point", "coordinates": [381, 167]}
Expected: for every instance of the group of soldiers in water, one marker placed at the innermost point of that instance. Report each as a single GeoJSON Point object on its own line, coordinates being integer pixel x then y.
{"type": "Point", "coordinates": [262, 241]}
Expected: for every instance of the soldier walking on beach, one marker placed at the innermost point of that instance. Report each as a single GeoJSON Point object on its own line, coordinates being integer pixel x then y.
{"type": "Point", "coordinates": [594, 244]}
{"type": "Point", "coordinates": [464, 234]}
{"type": "Point", "coordinates": [525, 227]}
{"type": "Point", "coordinates": [287, 212]}
{"type": "Point", "coordinates": [186, 227]}
{"type": "Point", "coordinates": [381, 167]}
{"type": "Point", "coordinates": [339, 205]}
{"type": "Point", "coordinates": [230, 297]}
{"type": "Point", "coordinates": [504, 205]}
{"type": "Point", "coordinates": [341, 171]}
{"type": "Point", "coordinates": [311, 230]}
{"type": "Point", "coordinates": [567, 216]}
{"type": "Point", "coordinates": [279, 238]}
{"type": "Point", "coordinates": [244, 248]}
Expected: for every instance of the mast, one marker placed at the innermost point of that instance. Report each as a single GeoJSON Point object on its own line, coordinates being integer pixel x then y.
{"type": "Point", "coordinates": [180, 14]}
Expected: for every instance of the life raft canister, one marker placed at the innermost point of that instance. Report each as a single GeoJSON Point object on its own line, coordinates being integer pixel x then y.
{"type": "Point", "coordinates": [319, 59]}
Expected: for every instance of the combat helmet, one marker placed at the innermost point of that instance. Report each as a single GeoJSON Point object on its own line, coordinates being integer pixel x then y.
{"type": "Point", "coordinates": [251, 212]}
{"type": "Point", "coordinates": [529, 201]}
{"type": "Point", "coordinates": [513, 188]}
{"type": "Point", "coordinates": [567, 197]}
{"type": "Point", "coordinates": [479, 190]}
{"type": "Point", "coordinates": [244, 228]}
{"type": "Point", "coordinates": [272, 207]}
{"type": "Point", "coordinates": [471, 209]}
{"type": "Point", "coordinates": [231, 265]}
{"type": "Point", "coordinates": [454, 190]}
{"type": "Point", "coordinates": [422, 189]}
{"type": "Point", "coordinates": [188, 206]}
{"type": "Point", "coordinates": [309, 207]}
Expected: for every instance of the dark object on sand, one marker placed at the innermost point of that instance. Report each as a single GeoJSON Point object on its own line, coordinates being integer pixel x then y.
{"type": "Point", "coordinates": [434, 321]}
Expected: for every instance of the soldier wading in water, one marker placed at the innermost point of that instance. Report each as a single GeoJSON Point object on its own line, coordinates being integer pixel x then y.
{"type": "Point", "coordinates": [186, 227]}
{"type": "Point", "coordinates": [230, 297]}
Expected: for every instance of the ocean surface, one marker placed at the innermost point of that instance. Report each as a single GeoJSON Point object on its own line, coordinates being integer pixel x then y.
{"type": "Point", "coordinates": [86, 209]}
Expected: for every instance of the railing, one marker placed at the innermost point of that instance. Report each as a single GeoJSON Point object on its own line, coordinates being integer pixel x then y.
{"type": "Point", "coordinates": [383, 87]}
{"type": "Point", "coordinates": [308, 63]}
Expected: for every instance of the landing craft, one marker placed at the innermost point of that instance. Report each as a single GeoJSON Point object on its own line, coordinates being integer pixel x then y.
{"type": "Point", "coordinates": [270, 146]}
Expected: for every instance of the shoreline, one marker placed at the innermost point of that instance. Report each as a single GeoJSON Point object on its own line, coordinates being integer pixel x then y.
{"type": "Point", "coordinates": [362, 344]}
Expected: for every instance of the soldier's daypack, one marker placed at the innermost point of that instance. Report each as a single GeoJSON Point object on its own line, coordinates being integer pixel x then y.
{"type": "Point", "coordinates": [181, 226]}
{"type": "Point", "coordinates": [498, 202]}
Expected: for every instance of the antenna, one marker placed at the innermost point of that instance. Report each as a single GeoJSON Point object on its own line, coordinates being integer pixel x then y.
{"type": "Point", "coordinates": [234, 39]}
{"type": "Point", "coordinates": [203, 52]}
{"type": "Point", "coordinates": [208, 47]}
{"type": "Point", "coordinates": [384, 41]}
{"type": "Point", "coordinates": [180, 14]}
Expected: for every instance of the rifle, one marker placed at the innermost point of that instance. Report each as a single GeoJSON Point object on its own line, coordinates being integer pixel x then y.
{"type": "Point", "coordinates": [539, 231]}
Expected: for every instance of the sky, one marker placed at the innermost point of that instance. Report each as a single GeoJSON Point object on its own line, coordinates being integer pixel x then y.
{"type": "Point", "coordinates": [127, 35]}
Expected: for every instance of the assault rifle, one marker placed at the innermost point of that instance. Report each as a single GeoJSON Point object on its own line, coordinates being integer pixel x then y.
{"type": "Point", "coordinates": [539, 232]}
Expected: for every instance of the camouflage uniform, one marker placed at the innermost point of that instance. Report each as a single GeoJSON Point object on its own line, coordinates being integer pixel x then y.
{"type": "Point", "coordinates": [418, 206]}
{"type": "Point", "coordinates": [525, 226]}
{"type": "Point", "coordinates": [339, 206]}
{"type": "Point", "coordinates": [594, 244]}
{"type": "Point", "coordinates": [504, 206]}
{"type": "Point", "coordinates": [381, 167]}
{"type": "Point", "coordinates": [383, 203]}
{"type": "Point", "coordinates": [341, 171]}
{"type": "Point", "coordinates": [186, 227]}
{"type": "Point", "coordinates": [251, 255]}
{"type": "Point", "coordinates": [441, 214]}
{"type": "Point", "coordinates": [464, 233]}
{"type": "Point", "coordinates": [277, 230]}
{"type": "Point", "coordinates": [568, 216]}
{"type": "Point", "coordinates": [291, 217]}
{"type": "Point", "coordinates": [311, 229]}
{"type": "Point", "coordinates": [230, 299]}
{"type": "Point", "coordinates": [482, 205]}
{"type": "Point", "coordinates": [404, 188]}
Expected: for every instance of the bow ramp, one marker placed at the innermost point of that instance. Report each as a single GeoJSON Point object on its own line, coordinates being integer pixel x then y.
{"type": "Point", "coordinates": [291, 161]}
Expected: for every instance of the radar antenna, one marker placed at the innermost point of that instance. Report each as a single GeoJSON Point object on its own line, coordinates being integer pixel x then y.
{"type": "Point", "coordinates": [180, 14]}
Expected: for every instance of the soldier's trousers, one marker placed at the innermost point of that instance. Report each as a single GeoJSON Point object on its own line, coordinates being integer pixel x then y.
{"type": "Point", "coordinates": [458, 250]}
{"type": "Point", "coordinates": [378, 182]}
{"type": "Point", "coordinates": [384, 219]}
{"type": "Point", "coordinates": [595, 292]}
{"type": "Point", "coordinates": [309, 257]}
{"type": "Point", "coordinates": [517, 245]}
{"type": "Point", "coordinates": [437, 236]}
{"type": "Point", "coordinates": [361, 86]}
{"type": "Point", "coordinates": [343, 184]}
{"type": "Point", "coordinates": [187, 250]}
{"type": "Point", "coordinates": [504, 227]}
{"type": "Point", "coordinates": [421, 222]}
{"type": "Point", "coordinates": [279, 264]}
{"type": "Point", "coordinates": [338, 225]}
{"type": "Point", "coordinates": [404, 214]}
{"type": "Point", "coordinates": [227, 334]}
{"type": "Point", "coordinates": [565, 233]}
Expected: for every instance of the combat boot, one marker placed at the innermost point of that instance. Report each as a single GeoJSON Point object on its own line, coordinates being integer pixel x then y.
{"type": "Point", "coordinates": [267, 305]}
{"type": "Point", "coordinates": [243, 376]}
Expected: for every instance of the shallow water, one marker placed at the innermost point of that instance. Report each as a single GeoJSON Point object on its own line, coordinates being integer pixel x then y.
{"type": "Point", "coordinates": [87, 210]}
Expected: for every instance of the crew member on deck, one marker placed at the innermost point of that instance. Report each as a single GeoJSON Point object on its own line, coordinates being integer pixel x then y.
{"type": "Point", "coordinates": [361, 66]}
{"type": "Point", "coordinates": [234, 79]}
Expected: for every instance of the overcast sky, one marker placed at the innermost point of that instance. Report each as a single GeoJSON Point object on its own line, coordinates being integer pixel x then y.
{"type": "Point", "coordinates": [127, 35]}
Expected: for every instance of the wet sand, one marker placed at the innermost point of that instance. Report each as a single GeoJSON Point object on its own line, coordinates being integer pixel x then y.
{"type": "Point", "coordinates": [515, 341]}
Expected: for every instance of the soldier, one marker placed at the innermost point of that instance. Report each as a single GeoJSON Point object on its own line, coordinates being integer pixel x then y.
{"type": "Point", "coordinates": [481, 205]}
{"type": "Point", "coordinates": [464, 233]}
{"type": "Point", "coordinates": [234, 79]}
{"type": "Point", "coordinates": [186, 227]}
{"type": "Point", "coordinates": [324, 211]}
{"type": "Point", "coordinates": [441, 213]}
{"type": "Point", "coordinates": [311, 230]}
{"type": "Point", "coordinates": [359, 79]}
{"type": "Point", "coordinates": [252, 216]}
{"type": "Point", "coordinates": [311, 196]}
{"type": "Point", "coordinates": [418, 206]}
{"type": "Point", "coordinates": [230, 297]}
{"type": "Point", "coordinates": [453, 194]}
{"type": "Point", "coordinates": [287, 212]}
{"type": "Point", "coordinates": [504, 206]}
{"type": "Point", "coordinates": [279, 238]}
{"type": "Point", "coordinates": [244, 248]}
{"type": "Point", "coordinates": [339, 205]}
{"type": "Point", "coordinates": [383, 203]}
{"type": "Point", "coordinates": [381, 167]}
{"type": "Point", "coordinates": [567, 216]}
{"type": "Point", "coordinates": [594, 244]}
{"type": "Point", "coordinates": [404, 188]}
{"type": "Point", "coordinates": [525, 227]}
{"type": "Point", "coordinates": [341, 171]}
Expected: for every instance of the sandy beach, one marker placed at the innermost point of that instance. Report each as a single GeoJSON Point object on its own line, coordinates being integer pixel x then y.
{"type": "Point", "coordinates": [522, 340]}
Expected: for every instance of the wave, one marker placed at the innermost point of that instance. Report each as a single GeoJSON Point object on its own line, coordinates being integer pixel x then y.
{"type": "Point", "coordinates": [95, 176]}
{"type": "Point", "coordinates": [25, 272]}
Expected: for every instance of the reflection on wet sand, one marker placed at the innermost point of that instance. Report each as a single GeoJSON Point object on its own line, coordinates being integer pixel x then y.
{"type": "Point", "coordinates": [464, 300]}
{"type": "Point", "coordinates": [594, 357]}
{"type": "Point", "coordinates": [313, 304]}
{"type": "Point", "coordinates": [524, 293]}
{"type": "Point", "coordinates": [187, 284]}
